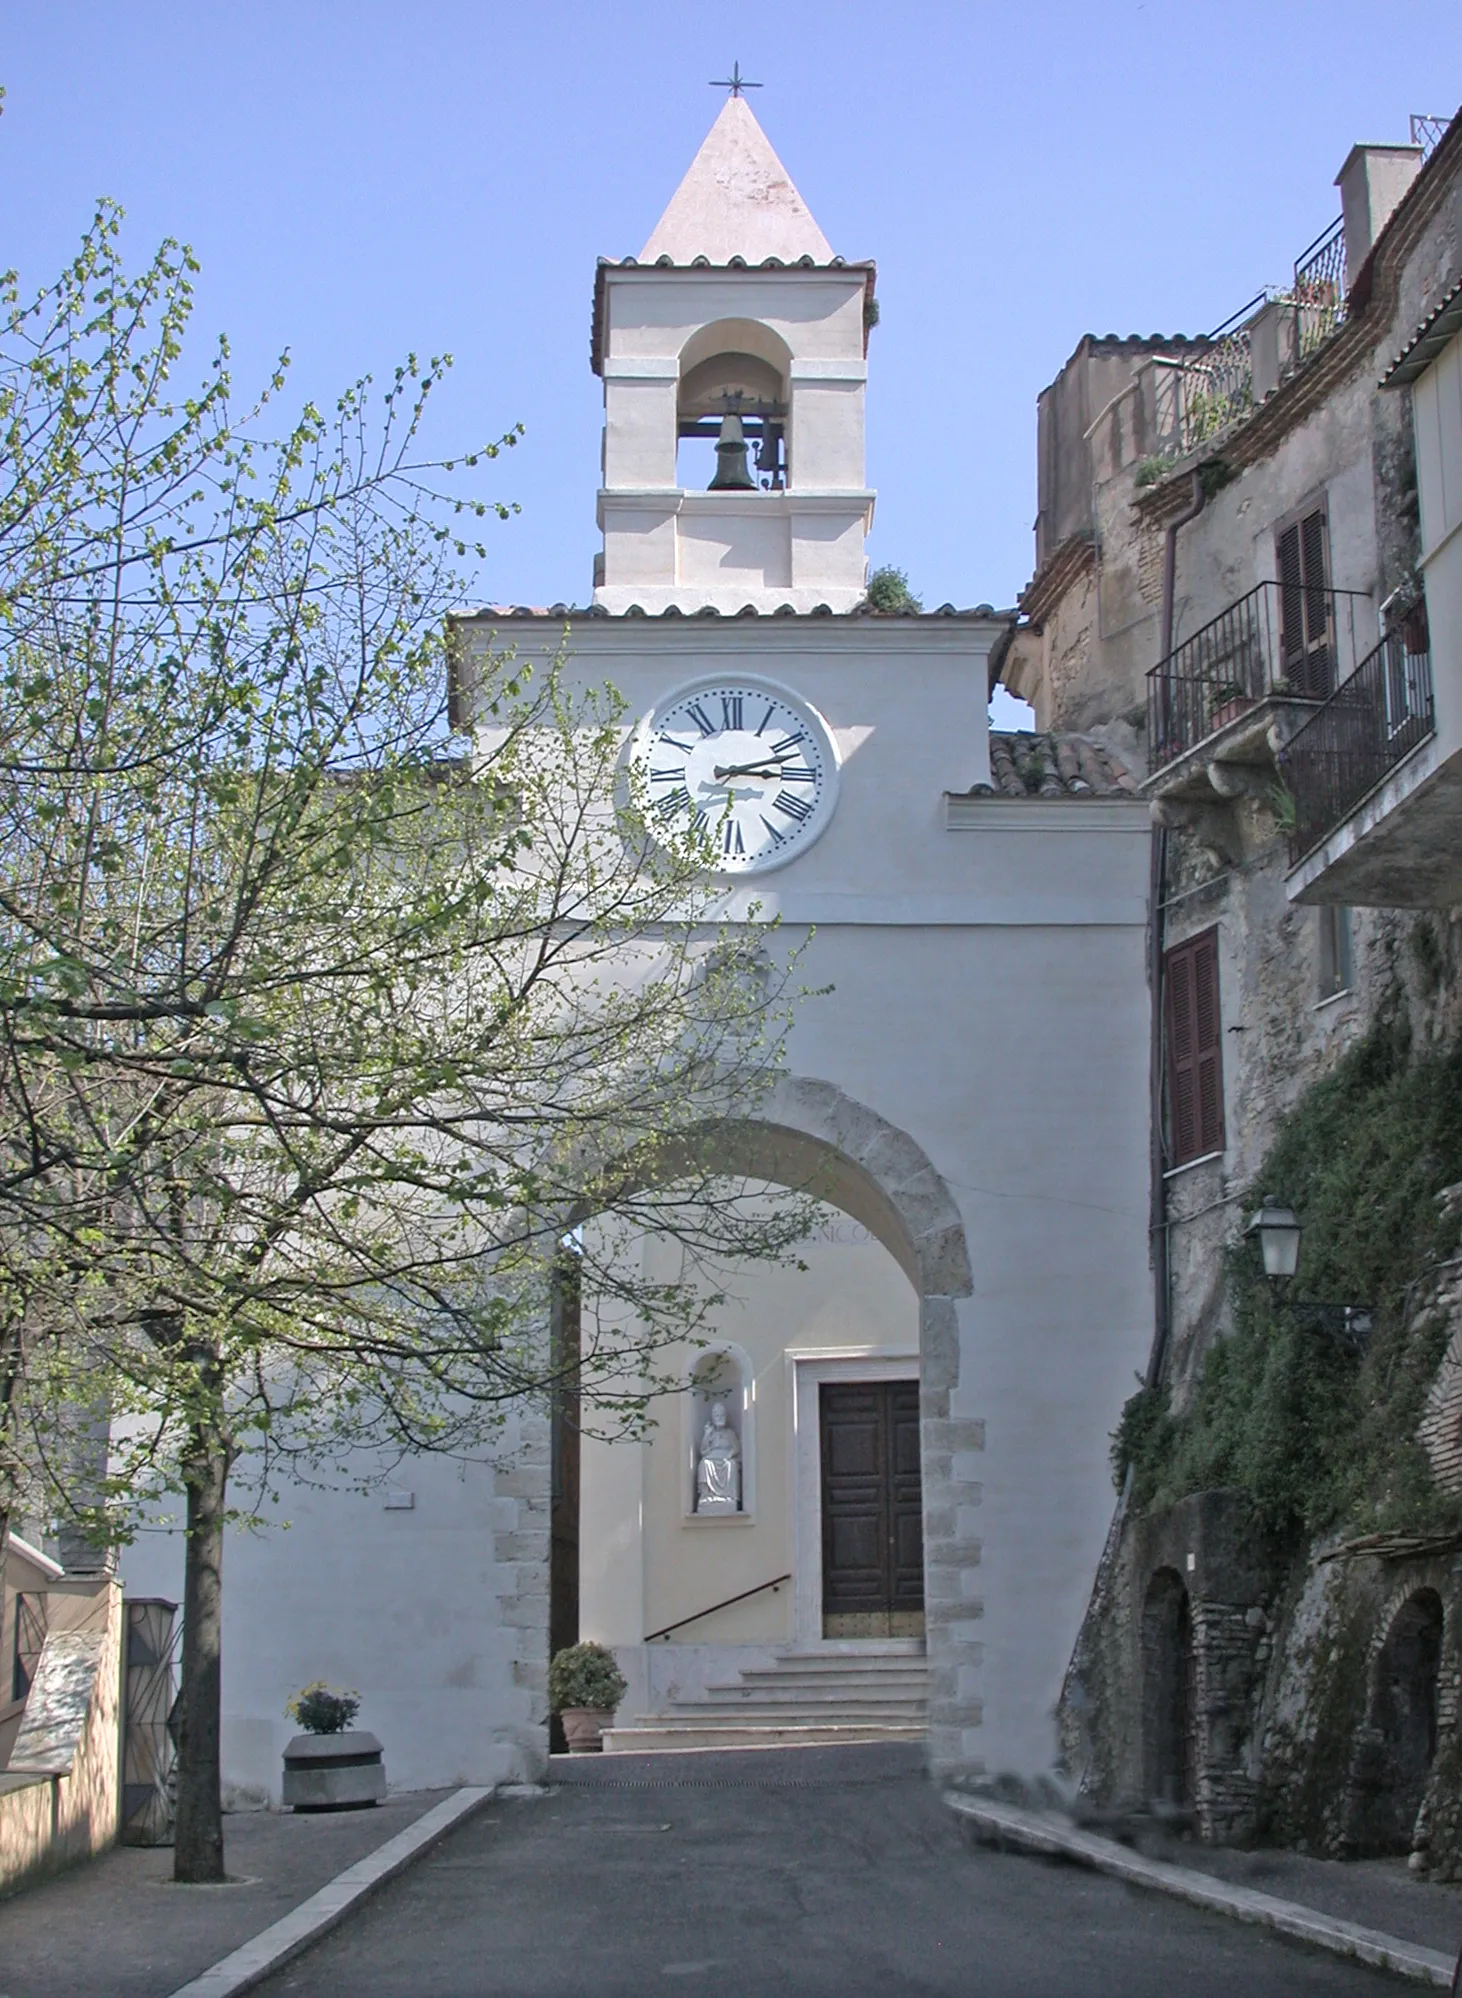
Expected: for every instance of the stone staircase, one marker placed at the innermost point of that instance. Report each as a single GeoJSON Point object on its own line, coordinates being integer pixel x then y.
{"type": "Point", "coordinates": [804, 1699]}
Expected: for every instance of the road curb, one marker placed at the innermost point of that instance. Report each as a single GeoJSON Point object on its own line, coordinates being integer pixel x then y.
{"type": "Point", "coordinates": [256, 1959]}
{"type": "Point", "coordinates": [1055, 1837]}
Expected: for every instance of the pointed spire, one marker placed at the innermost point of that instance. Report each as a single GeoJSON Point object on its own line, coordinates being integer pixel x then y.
{"type": "Point", "coordinates": [737, 200]}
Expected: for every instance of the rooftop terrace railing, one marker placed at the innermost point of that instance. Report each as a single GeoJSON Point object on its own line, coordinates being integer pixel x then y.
{"type": "Point", "coordinates": [1319, 291]}
{"type": "Point", "coordinates": [1218, 379]}
{"type": "Point", "coordinates": [1292, 641]}
{"type": "Point", "coordinates": [1372, 722]}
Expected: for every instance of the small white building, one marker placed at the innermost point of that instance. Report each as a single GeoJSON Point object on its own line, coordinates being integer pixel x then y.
{"type": "Point", "coordinates": [918, 1488]}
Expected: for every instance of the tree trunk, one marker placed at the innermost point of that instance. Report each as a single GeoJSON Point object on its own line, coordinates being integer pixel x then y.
{"type": "Point", "coordinates": [198, 1845]}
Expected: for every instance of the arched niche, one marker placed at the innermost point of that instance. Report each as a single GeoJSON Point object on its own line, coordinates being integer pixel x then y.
{"type": "Point", "coordinates": [1169, 1694]}
{"type": "Point", "coordinates": [721, 1373]}
{"type": "Point", "coordinates": [1396, 1750]}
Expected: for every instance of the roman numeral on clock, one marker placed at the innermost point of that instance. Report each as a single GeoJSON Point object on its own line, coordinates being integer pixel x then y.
{"type": "Point", "coordinates": [701, 719]}
{"type": "Point", "coordinates": [731, 840]}
{"type": "Point", "coordinates": [730, 710]}
{"type": "Point", "coordinates": [794, 807]}
{"type": "Point", "coordinates": [779, 838]}
{"type": "Point", "coordinates": [674, 775]}
{"type": "Point", "coordinates": [788, 743]}
{"type": "Point", "coordinates": [798, 773]}
{"type": "Point", "coordinates": [673, 803]}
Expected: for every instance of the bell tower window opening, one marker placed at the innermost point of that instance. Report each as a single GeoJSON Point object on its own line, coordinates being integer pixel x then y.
{"type": "Point", "coordinates": [731, 411]}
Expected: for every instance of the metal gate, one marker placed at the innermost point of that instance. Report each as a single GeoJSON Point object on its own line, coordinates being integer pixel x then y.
{"type": "Point", "coordinates": [153, 1639]}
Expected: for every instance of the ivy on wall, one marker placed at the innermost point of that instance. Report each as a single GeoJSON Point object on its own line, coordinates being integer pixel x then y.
{"type": "Point", "coordinates": [1319, 1436]}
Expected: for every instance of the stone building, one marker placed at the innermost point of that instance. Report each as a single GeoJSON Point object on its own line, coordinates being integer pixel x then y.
{"type": "Point", "coordinates": [1247, 585]}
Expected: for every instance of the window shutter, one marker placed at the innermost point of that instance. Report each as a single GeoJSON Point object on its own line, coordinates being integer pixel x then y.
{"type": "Point", "coordinates": [1195, 1049]}
{"type": "Point", "coordinates": [1304, 606]}
{"type": "Point", "coordinates": [1291, 603]}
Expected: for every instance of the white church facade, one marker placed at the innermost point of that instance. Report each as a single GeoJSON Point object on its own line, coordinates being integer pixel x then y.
{"type": "Point", "coordinates": [883, 1485]}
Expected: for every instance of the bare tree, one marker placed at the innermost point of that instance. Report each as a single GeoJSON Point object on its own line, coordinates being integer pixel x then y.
{"type": "Point", "coordinates": [317, 1039]}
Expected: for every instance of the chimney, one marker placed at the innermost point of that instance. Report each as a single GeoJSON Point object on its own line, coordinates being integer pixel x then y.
{"type": "Point", "coordinates": [1371, 184]}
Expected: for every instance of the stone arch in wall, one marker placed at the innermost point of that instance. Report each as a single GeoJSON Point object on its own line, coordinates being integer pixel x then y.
{"type": "Point", "coordinates": [810, 1135]}
{"type": "Point", "coordinates": [1398, 1742]}
{"type": "Point", "coordinates": [1169, 1694]}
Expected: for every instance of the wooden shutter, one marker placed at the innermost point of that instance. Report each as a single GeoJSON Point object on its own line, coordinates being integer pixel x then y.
{"type": "Point", "coordinates": [1194, 1050]}
{"type": "Point", "coordinates": [1305, 643]}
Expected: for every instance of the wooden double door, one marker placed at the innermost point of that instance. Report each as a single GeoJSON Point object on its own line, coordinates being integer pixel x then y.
{"type": "Point", "coordinates": [872, 1509]}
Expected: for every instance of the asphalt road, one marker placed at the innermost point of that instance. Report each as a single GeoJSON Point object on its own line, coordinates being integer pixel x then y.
{"type": "Point", "coordinates": [741, 1888]}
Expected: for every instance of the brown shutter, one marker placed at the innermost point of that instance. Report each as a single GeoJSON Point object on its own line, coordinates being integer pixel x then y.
{"type": "Point", "coordinates": [1305, 644]}
{"type": "Point", "coordinates": [1195, 1049]}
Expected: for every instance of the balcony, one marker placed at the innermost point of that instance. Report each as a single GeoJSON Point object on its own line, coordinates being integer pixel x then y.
{"type": "Point", "coordinates": [1261, 345]}
{"type": "Point", "coordinates": [1349, 746]}
{"type": "Point", "coordinates": [1289, 644]}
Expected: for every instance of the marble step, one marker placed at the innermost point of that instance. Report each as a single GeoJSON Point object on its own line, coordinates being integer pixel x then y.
{"type": "Point", "coordinates": [829, 1682]}
{"type": "Point", "coordinates": [659, 1735]}
{"type": "Point", "coordinates": [737, 1699]}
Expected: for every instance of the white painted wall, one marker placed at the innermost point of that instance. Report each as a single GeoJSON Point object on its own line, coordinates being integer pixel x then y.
{"type": "Point", "coordinates": [417, 1609]}
{"type": "Point", "coordinates": [1437, 415]}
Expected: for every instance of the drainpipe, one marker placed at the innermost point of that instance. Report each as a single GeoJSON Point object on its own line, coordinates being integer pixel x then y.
{"type": "Point", "coordinates": [1156, 932]}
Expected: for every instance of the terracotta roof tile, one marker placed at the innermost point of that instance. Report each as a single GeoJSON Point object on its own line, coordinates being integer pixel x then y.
{"type": "Point", "coordinates": [1053, 766]}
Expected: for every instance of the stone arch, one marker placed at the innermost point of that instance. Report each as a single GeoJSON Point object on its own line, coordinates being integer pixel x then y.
{"type": "Point", "coordinates": [1398, 1743]}
{"type": "Point", "coordinates": [1169, 1694]}
{"type": "Point", "coordinates": [811, 1135]}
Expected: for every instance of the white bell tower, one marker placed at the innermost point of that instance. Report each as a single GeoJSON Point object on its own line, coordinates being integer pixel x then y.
{"type": "Point", "coordinates": [735, 321]}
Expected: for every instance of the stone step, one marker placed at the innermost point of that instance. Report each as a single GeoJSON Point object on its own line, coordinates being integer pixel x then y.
{"type": "Point", "coordinates": [662, 1735]}
{"type": "Point", "coordinates": [693, 1711]}
{"type": "Point", "coordinates": [737, 1699]}
{"type": "Point", "coordinates": [830, 1682]}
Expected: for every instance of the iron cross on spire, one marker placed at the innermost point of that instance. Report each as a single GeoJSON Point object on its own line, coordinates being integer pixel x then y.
{"type": "Point", "coordinates": [735, 82]}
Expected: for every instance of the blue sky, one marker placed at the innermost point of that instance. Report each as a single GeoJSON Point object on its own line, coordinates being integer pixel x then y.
{"type": "Point", "coordinates": [362, 179]}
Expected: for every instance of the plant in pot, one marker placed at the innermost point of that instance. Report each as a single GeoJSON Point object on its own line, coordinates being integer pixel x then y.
{"type": "Point", "coordinates": [1231, 698]}
{"type": "Point", "coordinates": [584, 1688]}
{"type": "Point", "coordinates": [331, 1766]}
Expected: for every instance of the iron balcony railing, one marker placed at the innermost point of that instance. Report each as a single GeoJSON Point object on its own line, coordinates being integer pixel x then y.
{"type": "Point", "coordinates": [1295, 641]}
{"type": "Point", "coordinates": [1373, 720]}
{"type": "Point", "coordinates": [1319, 291]}
{"type": "Point", "coordinates": [1218, 379]}
{"type": "Point", "coordinates": [1218, 382]}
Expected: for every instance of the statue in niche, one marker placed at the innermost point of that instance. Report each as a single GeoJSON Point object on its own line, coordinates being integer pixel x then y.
{"type": "Point", "coordinates": [718, 1466]}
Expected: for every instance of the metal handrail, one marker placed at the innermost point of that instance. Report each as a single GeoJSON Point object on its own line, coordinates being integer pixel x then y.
{"type": "Point", "coordinates": [760, 1588]}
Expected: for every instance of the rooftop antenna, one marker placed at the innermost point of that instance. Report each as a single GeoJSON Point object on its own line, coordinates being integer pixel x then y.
{"type": "Point", "coordinates": [735, 82]}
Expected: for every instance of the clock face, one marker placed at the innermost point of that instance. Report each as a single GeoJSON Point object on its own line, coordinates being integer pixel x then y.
{"type": "Point", "coordinates": [748, 763]}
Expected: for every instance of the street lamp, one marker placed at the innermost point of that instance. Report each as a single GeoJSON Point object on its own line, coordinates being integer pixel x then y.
{"type": "Point", "coordinates": [1278, 1233]}
{"type": "Point", "coordinates": [1279, 1239]}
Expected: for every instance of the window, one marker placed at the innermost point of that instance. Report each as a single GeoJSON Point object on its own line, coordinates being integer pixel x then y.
{"type": "Point", "coordinates": [1337, 967]}
{"type": "Point", "coordinates": [1306, 643]}
{"type": "Point", "coordinates": [1194, 1049]}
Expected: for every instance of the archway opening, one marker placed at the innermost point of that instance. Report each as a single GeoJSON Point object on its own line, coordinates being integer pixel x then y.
{"type": "Point", "coordinates": [670, 1553]}
{"type": "Point", "coordinates": [1401, 1738]}
{"type": "Point", "coordinates": [1169, 1693]}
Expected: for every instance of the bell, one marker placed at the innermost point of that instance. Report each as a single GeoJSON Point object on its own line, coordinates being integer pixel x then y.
{"type": "Point", "coordinates": [731, 470]}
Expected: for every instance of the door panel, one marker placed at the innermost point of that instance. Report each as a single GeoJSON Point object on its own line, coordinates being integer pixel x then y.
{"type": "Point", "coordinates": [872, 1518]}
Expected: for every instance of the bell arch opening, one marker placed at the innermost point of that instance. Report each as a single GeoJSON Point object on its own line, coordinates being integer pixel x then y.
{"type": "Point", "coordinates": [734, 391]}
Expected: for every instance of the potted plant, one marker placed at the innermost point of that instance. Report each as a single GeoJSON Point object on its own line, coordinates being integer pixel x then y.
{"type": "Point", "coordinates": [584, 1688]}
{"type": "Point", "coordinates": [331, 1766]}
{"type": "Point", "coordinates": [1231, 698]}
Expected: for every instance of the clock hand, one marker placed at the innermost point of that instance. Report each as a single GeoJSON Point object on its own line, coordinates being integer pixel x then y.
{"type": "Point", "coordinates": [746, 770]}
